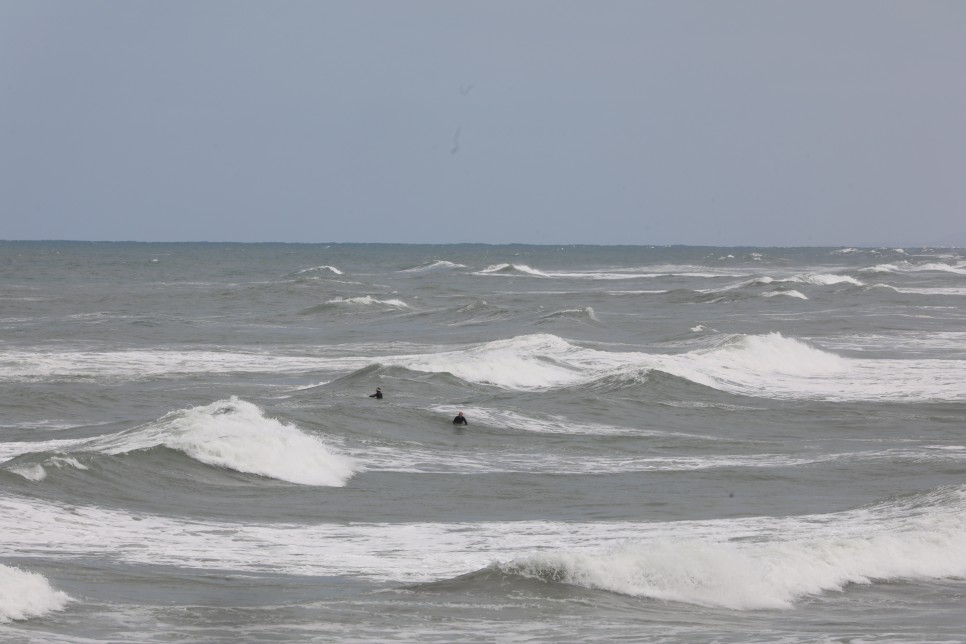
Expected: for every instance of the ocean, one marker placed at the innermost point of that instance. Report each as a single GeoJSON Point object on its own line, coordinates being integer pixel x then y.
{"type": "Point", "coordinates": [664, 444]}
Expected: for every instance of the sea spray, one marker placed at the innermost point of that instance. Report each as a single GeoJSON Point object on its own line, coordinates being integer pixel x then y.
{"type": "Point", "coordinates": [778, 562]}
{"type": "Point", "coordinates": [27, 594]}
{"type": "Point", "coordinates": [236, 435]}
{"type": "Point", "coordinates": [767, 365]}
{"type": "Point", "coordinates": [368, 300]}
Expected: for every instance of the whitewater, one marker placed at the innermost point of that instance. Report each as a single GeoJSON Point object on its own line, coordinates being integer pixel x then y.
{"type": "Point", "coordinates": [667, 444]}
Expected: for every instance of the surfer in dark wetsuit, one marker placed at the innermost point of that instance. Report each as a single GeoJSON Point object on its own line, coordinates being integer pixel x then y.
{"type": "Point", "coordinates": [460, 419]}
{"type": "Point", "coordinates": [377, 395]}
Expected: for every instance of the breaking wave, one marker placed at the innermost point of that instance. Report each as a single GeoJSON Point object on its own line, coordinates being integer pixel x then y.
{"type": "Point", "coordinates": [790, 293]}
{"type": "Point", "coordinates": [907, 267]}
{"type": "Point", "coordinates": [437, 265]}
{"type": "Point", "coordinates": [368, 300]}
{"type": "Point", "coordinates": [586, 313]}
{"type": "Point", "coordinates": [511, 269]}
{"type": "Point", "coordinates": [768, 365]}
{"type": "Point", "coordinates": [232, 434]}
{"type": "Point", "coordinates": [320, 269]}
{"type": "Point", "coordinates": [27, 594]}
{"type": "Point", "coordinates": [916, 540]}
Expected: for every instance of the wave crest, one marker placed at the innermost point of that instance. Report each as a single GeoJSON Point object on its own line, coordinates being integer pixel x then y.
{"type": "Point", "coordinates": [586, 313]}
{"type": "Point", "coordinates": [823, 279]}
{"type": "Point", "coordinates": [368, 300]}
{"type": "Point", "coordinates": [439, 264]}
{"type": "Point", "coordinates": [524, 362]}
{"type": "Point", "coordinates": [27, 594]}
{"type": "Point", "coordinates": [923, 538]}
{"type": "Point", "coordinates": [790, 293]}
{"type": "Point", "coordinates": [320, 269]}
{"type": "Point", "coordinates": [511, 269]}
{"type": "Point", "coordinates": [236, 435]}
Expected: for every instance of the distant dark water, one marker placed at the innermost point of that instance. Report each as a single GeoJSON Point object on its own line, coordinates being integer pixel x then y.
{"type": "Point", "coordinates": [664, 444]}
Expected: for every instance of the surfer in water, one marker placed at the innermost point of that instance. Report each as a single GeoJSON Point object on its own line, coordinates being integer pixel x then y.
{"type": "Point", "coordinates": [377, 395]}
{"type": "Point", "coordinates": [460, 419]}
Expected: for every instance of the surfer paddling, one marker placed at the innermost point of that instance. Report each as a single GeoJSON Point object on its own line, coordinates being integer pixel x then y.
{"type": "Point", "coordinates": [377, 395]}
{"type": "Point", "coordinates": [460, 419]}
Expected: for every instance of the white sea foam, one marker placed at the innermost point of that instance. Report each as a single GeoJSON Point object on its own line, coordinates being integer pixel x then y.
{"type": "Point", "coordinates": [12, 449]}
{"type": "Point", "coordinates": [52, 365]}
{"type": "Point", "coordinates": [368, 300]}
{"type": "Point", "coordinates": [236, 435]}
{"type": "Point", "coordinates": [775, 366]}
{"type": "Point", "coordinates": [815, 279]}
{"type": "Point", "coordinates": [822, 279]}
{"type": "Point", "coordinates": [511, 269]}
{"type": "Point", "coordinates": [635, 292]}
{"type": "Point", "coordinates": [881, 268]}
{"type": "Point", "coordinates": [53, 425]}
{"type": "Point", "coordinates": [614, 274]}
{"type": "Point", "coordinates": [424, 461]}
{"type": "Point", "coordinates": [909, 267]}
{"type": "Point", "coordinates": [525, 362]}
{"type": "Point", "coordinates": [759, 576]}
{"type": "Point", "coordinates": [437, 265]}
{"type": "Point", "coordinates": [790, 293]}
{"type": "Point", "coordinates": [925, 291]}
{"type": "Point", "coordinates": [37, 471]}
{"type": "Point", "coordinates": [771, 563]}
{"type": "Point", "coordinates": [233, 434]}
{"type": "Point", "coordinates": [915, 343]}
{"type": "Point", "coordinates": [740, 563]}
{"type": "Point", "coordinates": [65, 461]}
{"type": "Point", "coordinates": [27, 594]}
{"type": "Point", "coordinates": [321, 269]}
{"type": "Point", "coordinates": [769, 365]}
{"type": "Point", "coordinates": [959, 269]}
{"type": "Point", "coordinates": [31, 471]}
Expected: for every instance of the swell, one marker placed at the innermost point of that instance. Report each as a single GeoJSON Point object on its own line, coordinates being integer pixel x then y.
{"type": "Point", "coordinates": [229, 435]}
{"type": "Point", "coordinates": [756, 565]}
{"type": "Point", "coordinates": [766, 365]}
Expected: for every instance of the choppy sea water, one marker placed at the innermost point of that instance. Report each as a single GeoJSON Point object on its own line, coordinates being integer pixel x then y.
{"type": "Point", "coordinates": [664, 444]}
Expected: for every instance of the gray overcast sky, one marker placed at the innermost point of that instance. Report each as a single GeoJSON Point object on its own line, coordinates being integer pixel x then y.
{"type": "Point", "coordinates": [551, 122]}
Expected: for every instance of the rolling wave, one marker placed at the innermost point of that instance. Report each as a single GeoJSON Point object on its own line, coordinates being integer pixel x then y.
{"type": "Point", "coordinates": [24, 595]}
{"type": "Point", "coordinates": [511, 269]}
{"type": "Point", "coordinates": [907, 267]}
{"type": "Point", "coordinates": [822, 279]}
{"type": "Point", "coordinates": [236, 435]}
{"type": "Point", "coordinates": [617, 274]}
{"type": "Point", "coordinates": [586, 313]}
{"type": "Point", "coordinates": [815, 279]}
{"type": "Point", "coordinates": [768, 366]}
{"type": "Point", "coordinates": [356, 304]}
{"type": "Point", "coordinates": [919, 539]}
{"type": "Point", "coordinates": [231, 434]}
{"type": "Point", "coordinates": [368, 300]}
{"type": "Point", "coordinates": [745, 563]}
{"type": "Point", "coordinates": [320, 269]}
{"type": "Point", "coordinates": [765, 365]}
{"type": "Point", "coordinates": [437, 265]}
{"type": "Point", "coordinates": [792, 293]}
